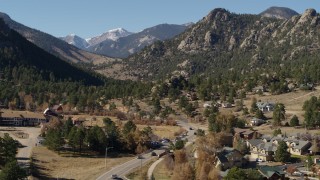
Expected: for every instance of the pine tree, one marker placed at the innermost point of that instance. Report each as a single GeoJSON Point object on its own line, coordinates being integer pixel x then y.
{"type": "Point", "coordinates": [278, 114]}
{"type": "Point", "coordinates": [294, 121]}
{"type": "Point", "coordinates": [12, 171]}
{"type": "Point", "coordinates": [282, 154]}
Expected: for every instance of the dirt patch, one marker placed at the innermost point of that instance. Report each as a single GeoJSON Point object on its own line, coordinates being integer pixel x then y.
{"type": "Point", "coordinates": [49, 164]}
{"type": "Point", "coordinates": [21, 135]}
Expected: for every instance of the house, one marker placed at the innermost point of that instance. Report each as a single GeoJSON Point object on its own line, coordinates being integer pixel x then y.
{"type": "Point", "coordinates": [245, 133]}
{"type": "Point", "coordinates": [265, 147]}
{"type": "Point", "coordinates": [297, 147]}
{"type": "Point", "coordinates": [261, 150]}
{"type": "Point", "coordinates": [21, 118]}
{"type": "Point", "coordinates": [78, 121]}
{"type": "Point", "coordinates": [58, 109]}
{"type": "Point", "coordinates": [256, 122]}
{"type": "Point", "coordinates": [272, 172]}
{"type": "Point", "coordinates": [228, 158]}
{"type": "Point", "coordinates": [265, 106]}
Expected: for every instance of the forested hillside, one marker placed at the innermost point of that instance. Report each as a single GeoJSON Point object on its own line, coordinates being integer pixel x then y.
{"type": "Point", "coordinates": [29, 76]}
{"type": "Point", "coordinates": [54, 45]}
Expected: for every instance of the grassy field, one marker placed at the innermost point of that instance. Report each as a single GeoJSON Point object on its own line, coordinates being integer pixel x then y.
{"type": "Point", "coordinates": [161, 172]}
{"type": "Point", "coordinates": [293, 101]}
{"type": "Point", "coordinates": [49, 164]}
{"type": "Point", "coordinates": [164, 131]}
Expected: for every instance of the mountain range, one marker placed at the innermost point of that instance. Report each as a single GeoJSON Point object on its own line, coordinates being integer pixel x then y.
{"type": "Point", "coordinates": [54, 45]}
{"type": "Point", "coordinates": [224, 42]}
{"type": "Point", "coordinates": [220, 44]}
{"type": "Point", "coordinates": [121, 43]}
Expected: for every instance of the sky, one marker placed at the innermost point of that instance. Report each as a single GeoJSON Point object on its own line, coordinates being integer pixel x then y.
{"type": "Point", "coordinates": [89, 18]}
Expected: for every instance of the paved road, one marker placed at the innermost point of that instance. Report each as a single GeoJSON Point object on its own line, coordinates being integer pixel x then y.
{"type": "Point", "coordinates": [125, 168]}
{"type": "Point", "coordinates": [152, 167]}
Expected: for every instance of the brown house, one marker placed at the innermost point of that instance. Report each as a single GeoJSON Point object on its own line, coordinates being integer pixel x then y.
{"type": "Point", "coordinates": [21, 118]}
{"type": "Point", "coordinates": [229, 157]}
{"type": "Point", "coordinates": [246, 134]}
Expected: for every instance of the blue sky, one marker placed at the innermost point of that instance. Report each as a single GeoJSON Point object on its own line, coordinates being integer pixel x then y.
{"type": "Point", "coordinates": [90, 18]}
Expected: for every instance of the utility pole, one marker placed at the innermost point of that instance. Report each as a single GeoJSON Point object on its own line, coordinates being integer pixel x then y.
{"type": "Point", "coordinates": [105, 159]}
{"type": "Point", "coordinates": [141, 168]}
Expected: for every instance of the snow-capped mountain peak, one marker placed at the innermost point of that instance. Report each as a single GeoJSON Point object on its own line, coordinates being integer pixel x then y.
{"type": "Point", "coordinates": [113, 35]}
{"type": "Point", "coordinates": [76, 41]}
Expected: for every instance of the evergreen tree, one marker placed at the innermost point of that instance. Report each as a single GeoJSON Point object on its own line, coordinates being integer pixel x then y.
{"type": "Point", "coordinates": [12, 171]}
{"type": "Point", "coordinates": [254, 106]}
{"type": "Point", "coordinates": [279, 114]}
{"type": "Point", "coordinates": [282, 154]}
{"type": "Point", "coordinates": [67, 127]}
{"type": "Point", "coordinates": [96, 139]}
{"type": "Point", "coordinates": [8, 149]}
{"type": "Point", "coordinates": [80, 137]}
{"type": "Point", "coordinates": [129, 127]}
{"type": "Point", "coordinates": [157, 106]}
{"type": "Point", "coordinates": [294, 121]}
{"type": "Point", "coordinates": [236, 173]}
{"type": "Point", "coordinates": [54, 139]}
{"type": "Point", "coordinates": [71, 138]}
{"type": "Point", "coordinates": [112, 133]}
{"type": "Point", "coordinates": [260, 115]}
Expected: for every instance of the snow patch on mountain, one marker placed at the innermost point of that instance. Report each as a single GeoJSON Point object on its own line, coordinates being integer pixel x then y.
{"type": "Point", "coordinates": [112, 35]}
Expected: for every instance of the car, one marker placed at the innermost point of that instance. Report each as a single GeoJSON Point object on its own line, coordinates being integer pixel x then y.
{"type": "Point", "coordinates": [164, 141]}
{"type": "Point", "coordinates": [153, 153]}
{"type": "Point", "coordinates": [259, 160]}
{"type": "Point", "coordinates": [297, 173]}
{"type": "Point", "coordinates": [190, 128]}
{"type": "Point", "coordinates": [114, 176]}
{"type": "Point", "coordinates": [139, 157]}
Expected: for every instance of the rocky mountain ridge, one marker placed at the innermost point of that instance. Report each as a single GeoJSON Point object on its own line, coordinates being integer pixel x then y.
{"type": "Point", "coordinates": [279, 12]}
{"type": "Point", "coordinates": [222, 41]}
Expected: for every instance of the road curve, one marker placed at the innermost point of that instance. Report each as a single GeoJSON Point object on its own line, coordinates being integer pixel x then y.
{"type": "Point", "coordinates": [124, 169]}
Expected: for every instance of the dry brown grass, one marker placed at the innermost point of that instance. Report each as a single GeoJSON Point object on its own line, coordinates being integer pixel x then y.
{"type": "Point", "coordinates": [293, 101]}
{"type": "Point", "coordinates": [90, 119]}
{"type": "Point", "coordinates": [51, 165]}
{"type": "Point", "coordinates": [162, 172]}
{"type": "Point", "coordinates": [163, 131]}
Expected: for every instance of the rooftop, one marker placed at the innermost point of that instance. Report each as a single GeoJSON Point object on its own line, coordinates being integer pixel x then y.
{"type": "Point", "coordinates": [21, 114]}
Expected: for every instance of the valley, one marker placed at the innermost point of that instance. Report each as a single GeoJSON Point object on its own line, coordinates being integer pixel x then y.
{"type": "Point", "coordinates": [231, 96]}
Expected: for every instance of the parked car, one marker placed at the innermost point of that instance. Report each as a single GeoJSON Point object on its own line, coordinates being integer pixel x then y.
{"type": "Point", "coordinates": [297, 173]}
{"type": "Point", "coordinates": [153, 153]}
{"type": "Point", "coordinates": [139, 157]}
{"type": "Point", "coordinates": [114, 176]}
{"type": "Point", "coordinates": [259, 160]}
